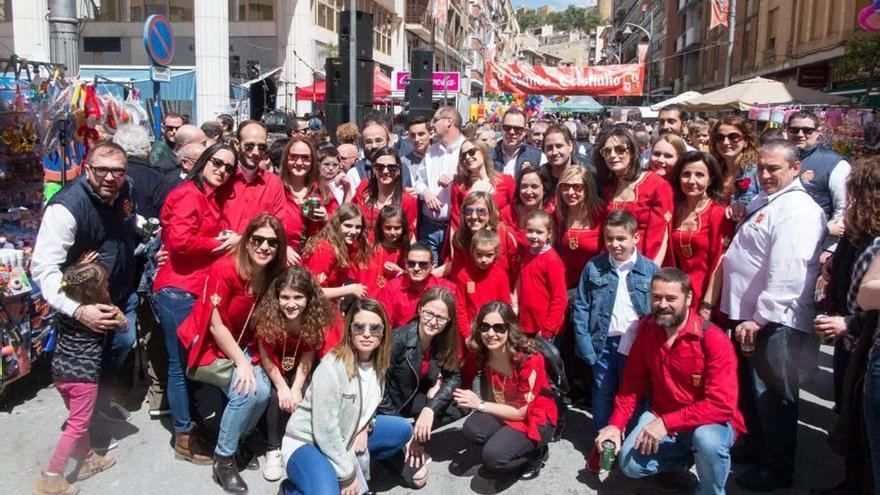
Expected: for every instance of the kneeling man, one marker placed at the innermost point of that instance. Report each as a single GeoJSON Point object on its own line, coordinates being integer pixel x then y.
{"type": "Point", "coordinates": [688, 368]}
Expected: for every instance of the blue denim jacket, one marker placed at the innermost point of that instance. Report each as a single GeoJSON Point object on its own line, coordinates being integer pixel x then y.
{"type": "Point", "coordinates": [594, 301]}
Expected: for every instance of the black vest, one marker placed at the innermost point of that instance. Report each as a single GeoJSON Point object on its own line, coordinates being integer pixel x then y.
{"type": "Point", "coordinates": [111, 230]}
{"type": "Point", "coordinates": [817, 163]}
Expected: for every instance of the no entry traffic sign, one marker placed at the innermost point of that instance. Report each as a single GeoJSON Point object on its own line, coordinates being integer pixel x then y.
{"type": "Point", "coordinates": [159, 39]}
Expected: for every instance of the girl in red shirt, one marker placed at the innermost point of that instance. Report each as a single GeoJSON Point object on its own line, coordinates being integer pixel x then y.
{"type": "Point", "coordinates": [385, 188]}
{"type": "Point", "coordinates": [701, 230]}
{"type": "Point", "coordinates": [217, 331]}
{"type": "Point", "coordinates": [476, 172]}
{"type": "Point", "coordinates": [580, 213]}
{"type": "Point", "coordinates": [389, 250]}
{"type": "Point", "coordinates": [515, 413]}
{"type": "Point", "coordinates": [533, 192]}
{"type": "Point", "coordinates": [540, 289]}
{"type": "Point", "coordinates": [643, 193]}
{"type": "Point", "coordinates": [289, 322]}
{"type": "Point", "coordinates": [309, 201]}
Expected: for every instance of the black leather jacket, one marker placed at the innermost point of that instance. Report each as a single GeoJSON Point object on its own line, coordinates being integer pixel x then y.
{"type": "Point", "coordinates": [403, 375]}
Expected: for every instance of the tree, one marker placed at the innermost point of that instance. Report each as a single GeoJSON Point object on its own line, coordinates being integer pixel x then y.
{"type": "Point", "coordinates": [571, 19]}
{"type": "Point", "coordinates": [861, 63]}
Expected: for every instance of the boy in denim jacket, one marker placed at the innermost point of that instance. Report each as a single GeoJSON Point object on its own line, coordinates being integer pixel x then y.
{"type": "Point", "coordinates": [612, 295]}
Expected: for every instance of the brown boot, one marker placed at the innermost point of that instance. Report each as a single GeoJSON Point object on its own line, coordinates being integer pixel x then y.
{"type": "Point", "coordinates": [54, 485]}
{"type": "Point", "coordinates": [93, 465]}
{"type": "Point", "coordinates": [187, 446]}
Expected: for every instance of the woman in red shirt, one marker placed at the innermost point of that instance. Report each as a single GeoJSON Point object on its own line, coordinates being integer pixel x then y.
{"type": "Point", "coordinates": [309, 201]}
{"type": "Point", "coordinates": [580, 214]}
{"type": "Point", "coordinates": [643, 193]}
{"type": "Point", "coordinates": [701, 231]}
{"type": "Point", "coordinates": [289, 322]}
{"type": "Point", "coordinates": [191, 233]}
{"type": "Point", "coordinates": [385, 188]}
{"type": "Point", "coordinates": [533, 192]}
{"type": "Point", "coordinates": [217, 332]}
{"type": "Point", "coordinates": [514, 414]}
{"type": "Point", "coordinates": [476, 172]}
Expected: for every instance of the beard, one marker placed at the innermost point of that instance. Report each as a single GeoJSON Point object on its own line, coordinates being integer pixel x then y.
{"type": "Point", "coordinates": [669, 318]}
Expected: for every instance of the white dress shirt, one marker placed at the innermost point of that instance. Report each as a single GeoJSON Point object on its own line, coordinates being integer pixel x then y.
{"type": "Point", "coordinates": [624, 318]}
{"type": "Point", "coordinates": [510, 161]}
{"type": "Point", "coordinates": [771, 267]}
{"type": "Point", "coordinates": [56, 236]}
{"type": "Point", "coordinates": [439, 160]}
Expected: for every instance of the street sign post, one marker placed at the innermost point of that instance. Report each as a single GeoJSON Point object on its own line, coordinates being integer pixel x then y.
{"type": "Point", "coordinates": [159, 44]}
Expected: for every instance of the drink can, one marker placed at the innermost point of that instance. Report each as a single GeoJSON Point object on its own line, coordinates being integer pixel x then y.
{"type": "Point", "coordinates": [151, 227]}
{"type": "Point", "coordinates": [606, 458]}
{"type": "Point", "coordinates": [311, 203]}
{"type": "Point", "coordinates": [822, 337]}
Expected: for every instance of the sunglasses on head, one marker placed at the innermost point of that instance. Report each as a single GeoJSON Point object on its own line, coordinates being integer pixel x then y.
{"type": "Point", "coordinates": [618, 150]}
{"type": "Point", "coordinates": [578, 188]}
{"type": "Point", "coordinates": [417, 265]}
{"type": "Point", "coordinates": [807, 131]}
{"type": "Point", "coordinates": [262, 147]}
{"type": "Point", "coordinates": [220, 164]}
{"type": "Point", "coordinates": [734, 137]}
{"type": "Point", "coordinates": [499, 328]}
{"type": "Point", "coordinates": [479, 211]}
{"type": "Point", "coordinates": [359, 328]}
{"type": "Point", "coordinates": [258, 240]}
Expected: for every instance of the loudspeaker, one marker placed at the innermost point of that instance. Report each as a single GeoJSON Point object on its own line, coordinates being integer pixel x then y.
{"type": "Point", "coordinates": [338, 84]}
{"type": "Point", "coordinates": [338, 113]}
{"type": "Point", "coordinates": [422, 64]}
{"type": "Point", "coordinates": [419, 93]}
{"type": "Point", "coordinates": [364, 30]}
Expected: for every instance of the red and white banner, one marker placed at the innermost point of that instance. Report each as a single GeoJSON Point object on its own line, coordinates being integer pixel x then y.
{"type": "Point", "coordinates": [605, 80]}
{"type": "Point", "coordinates": [720, 12]}
{"type": "Point", "coordinates": [438, 11]}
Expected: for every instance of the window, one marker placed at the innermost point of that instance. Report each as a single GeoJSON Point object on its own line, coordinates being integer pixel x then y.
{"type": "Point", "coordinates": [326, 13]}
{"type": "Point", "coordinates": [771, 28]}
{"type": "Point", "coordinates": [251, 10]}
{"type": "Point", "coordinates": [180, 10]}
{"type": "Point", "coordinates": [110, 11]}
{"type": "Point", "coordinates": [102, 44]}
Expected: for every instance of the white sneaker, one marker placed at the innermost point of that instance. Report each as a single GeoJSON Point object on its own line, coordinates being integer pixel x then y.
{"type": "Point", "coordinates": [274, 469]}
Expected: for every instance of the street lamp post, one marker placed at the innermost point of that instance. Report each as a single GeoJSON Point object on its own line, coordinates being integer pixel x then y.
{"type": "Point", "coordinates": [629, 30]}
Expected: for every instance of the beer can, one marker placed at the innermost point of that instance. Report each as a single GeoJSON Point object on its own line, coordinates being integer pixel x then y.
{"type": "Point", "coordinates": [311, 203]}
{"type": "Point", "coordinates": [606, 458]}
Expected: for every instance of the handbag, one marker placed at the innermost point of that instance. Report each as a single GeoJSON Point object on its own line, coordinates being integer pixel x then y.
{"type": "Point", "coordinates": [219, 372]}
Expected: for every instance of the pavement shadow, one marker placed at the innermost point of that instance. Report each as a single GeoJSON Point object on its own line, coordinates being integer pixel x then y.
{"type": "Point", "coordinates": [578, 430]}
{"type": "Point", "coordinates": [27, 387]}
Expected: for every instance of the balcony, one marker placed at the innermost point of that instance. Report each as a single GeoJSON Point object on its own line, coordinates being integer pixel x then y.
{"type": "Point", "coordinates": [418, 18]}
{"type": "Point", "coordinates": [685, 4]}
{"type": "Point", "coordinates": [688, 39]}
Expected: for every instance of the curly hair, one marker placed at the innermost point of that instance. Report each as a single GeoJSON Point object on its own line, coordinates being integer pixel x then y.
{"type": "Point", "coordinates": [268, 320]}
{"type": "Point", "coordinates": [749, 154]}
{"type": "Point", "coordinates": [332, 234]}
{"type": "Point", "coordinates": [348, 133]}
{"type": "Point", "coordinates": [862, 200]}
{"type": "Point", "coordinates": [86, 283]}
{"type": "Point", "coordinates": [516, 340]}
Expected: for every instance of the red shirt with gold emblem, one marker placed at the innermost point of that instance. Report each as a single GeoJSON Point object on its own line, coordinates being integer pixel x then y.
{"type": "Point", "coordinates": [475, 287]}
{"type": "Point", "coordinates": [652, 208]}
{"type": "Point", "coordinates": [323, 265]}
{"type": "Point", "coordinates": [375, 276]}
{"type": "Point", "coordinates": [578, 246]}
{"type": "Point", "coordinates": [502, 194]}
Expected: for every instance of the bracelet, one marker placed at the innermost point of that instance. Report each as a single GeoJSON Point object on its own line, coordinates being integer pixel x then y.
{"type": "Point", "coordinates": [705, 305]}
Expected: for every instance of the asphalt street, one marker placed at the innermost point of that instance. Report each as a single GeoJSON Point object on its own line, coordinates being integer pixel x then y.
{"type": "Point", "coordinates": [32, 412]}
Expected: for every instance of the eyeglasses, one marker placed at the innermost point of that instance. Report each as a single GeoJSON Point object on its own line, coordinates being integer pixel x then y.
{"type": "Point", "coordinates": [262, 147]}
{"type": "Point", "coordinates": [102, 172]}
{"type": "Point", "coordinates": [359, 328]}
{"type": "Point", "coordinates": [171, 127]}
{"type": "Point", "coordinates": [618, 150]}
{"type": "Point", "coordinates": [428, 316]}
{"type": "Point", "coordinates": [468, 154]}
{"type": "Point", "coordinates": [578, 188]}
{"type": "Point", "coordinates": [258, 240]}
{"type": "Point", "coordinates": [378, 142]}
{"type": "Point", "coordinates": [807, 131]}
{"type": "Point", "coordinates": [479, 211]}
{"type": "Point", "coordinates": [299, 157]}
{"type": "Point", "coordinates": [734, 137]}
{"type": "Point", "coordinates": [382, 167]}
{"type": "Point", "coordinates": [329, 164]}
{"type": "Point", "coordinates": [499, 328]}
{"type": "Point", "coordinates": [220, 164]}
{"type": "Point", "coordinates": [417, 265]}
{"type": "Point", "coordinates": [514, 129]}
{"type": "Point", "coordinates": [438, 119]}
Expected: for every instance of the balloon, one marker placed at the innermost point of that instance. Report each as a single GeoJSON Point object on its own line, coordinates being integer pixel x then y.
{"type": "Point", "coordinates": [869, 17]}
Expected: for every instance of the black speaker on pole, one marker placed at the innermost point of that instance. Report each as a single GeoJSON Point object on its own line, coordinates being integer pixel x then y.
{"type": "Point", "coordinates": [364, 30]}
{"type": "Point", "coordinates": [422, 66]}
{"type": "Point", "coordinates": [419, 93]}
{"type": "Point", "coordinates": [338, 84]}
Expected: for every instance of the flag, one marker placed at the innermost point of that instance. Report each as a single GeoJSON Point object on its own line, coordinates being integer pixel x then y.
{"type": "Point", "coordinates": [720, 11]}
{"type": "Point", "coordinates": [438, 11]}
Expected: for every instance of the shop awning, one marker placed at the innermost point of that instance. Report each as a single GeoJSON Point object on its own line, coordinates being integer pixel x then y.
{"type": "Point", "coordinates": [318, 91]}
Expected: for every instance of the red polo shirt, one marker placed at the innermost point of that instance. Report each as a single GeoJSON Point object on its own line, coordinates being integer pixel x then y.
{"type": "Point", "coordinates": [692, 382]}
{"type": "Point", "coordinates": [400, 298]}
{"type": "Point", "coordinates": [241, 200]}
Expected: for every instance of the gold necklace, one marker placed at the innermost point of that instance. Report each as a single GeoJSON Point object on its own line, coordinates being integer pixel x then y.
{"type": "Point", "coordinates": [498, 395]}
{"type": "Point", "coordinates": [687, 250]}
{"type": "Point", "coordinates": [572, 241]}
{"type": "Point", "coordinates": [287, 363]}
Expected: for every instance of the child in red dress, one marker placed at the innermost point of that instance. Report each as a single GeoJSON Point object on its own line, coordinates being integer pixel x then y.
{"type": "Point", "coordinates": [540, 289]}
{"type": "Point", "coordinates": [389, 250]}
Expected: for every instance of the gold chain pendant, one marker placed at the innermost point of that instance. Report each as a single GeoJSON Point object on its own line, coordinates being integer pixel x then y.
{"type": "Point", "coordinates": [498, 395]}
{"type": "Point", "coordinates": [572, 242]}
{"type": "Point", "coordinates": [287, 363]}
{"type": "Point", "coordinates": [687, 251]}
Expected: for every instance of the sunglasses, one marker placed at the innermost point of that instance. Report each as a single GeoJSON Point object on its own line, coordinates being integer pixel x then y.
{"type": "Point", "coordinates": [578, 188]}
{"type": "Point", "coordinates": [171, 127]}
{"type": "Point", "coordinates": [734, 137]}
{"type": "Point", "coordinates": [468, 154]}
{"type": "Point", "coordinates": [248, 147]}
{"type": "Point", "coordinates": [359, 328]}
{"type": "Point", "coordinates": [807, 131]}
{"type": "Point", "coordinates": [258, 240]}
{"type": "Point", "coordinates": [618, 150]}
{"type": "Point", "coordinates": [221, 165]}
{"type": "Point", "coordinates": [428, 316]}
{"type": "Point", "coordinates": [512, 128]}
{"type": "Point", "coordinates": [102, 172]}
{"type": "Point", "coordinates": [478, 211]}
{"type": "Point", "coordinates": [499, 328]}
{"type": "Point", "coordinates": [417, 265]}
{"type": "Point", "coordinates": [381, 167]}
{"type": "Point", "coordinates": [299, 157]}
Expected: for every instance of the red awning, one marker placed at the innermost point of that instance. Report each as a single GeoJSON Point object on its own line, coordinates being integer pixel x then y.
{"type": "Point", "coordinates": [318, 91]}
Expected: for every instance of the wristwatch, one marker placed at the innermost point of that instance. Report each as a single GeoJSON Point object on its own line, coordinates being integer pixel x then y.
{"type": "Point", "coordinates": [482, 406]}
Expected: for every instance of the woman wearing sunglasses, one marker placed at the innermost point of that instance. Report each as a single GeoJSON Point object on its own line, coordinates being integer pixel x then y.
{"type": "Point", "coordinates": [385, 188]}
{"type": "Point", "coordinates": [335, 432]}
{"type": "Point", "coordinates": [192, 233]}
{"type": "Point", "coordinates": [735, 146]}
{"type": "Point", "coordinates": [218, 331]}
{"type": "Point", "coordinates": [514, 412]}
{"type": "Point", "coordinates": [643, 193]}
{"type": "Point", "coordinates": [309, 201]}
{"type": "Point", "coordinates": [476, 172]}
{"type": "Point", "coordinates": [580, 213]}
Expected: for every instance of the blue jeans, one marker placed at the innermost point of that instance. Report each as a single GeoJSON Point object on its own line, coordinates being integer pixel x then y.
{"type": "Point", "coordinates": [709, 444]}
{"type": "Point", "coordinates": [309, 472]}
{"type": "Point", "coordinates": [872, 415]}
{"type": "Point", "coordinates": [122, 342]}
{"type": "Point", "coordinates": [432, 233]}
{"type": "Point", "coordinates": [242, 411]}
{"type": "Point", "coordinates": [607, 374]}
{"type": "Point", "coordinates": [171, 307]}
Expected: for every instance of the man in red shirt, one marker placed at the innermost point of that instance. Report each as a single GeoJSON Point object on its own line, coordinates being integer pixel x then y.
{"type": "Point", "coordinates": [401, 295]}
{"type": "Point", "coordinates": [689, 369]}
{"type": "Point", "coordinates": [252, 190]}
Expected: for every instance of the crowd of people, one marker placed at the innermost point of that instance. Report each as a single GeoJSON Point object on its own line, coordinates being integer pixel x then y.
{"type": "Point", "coordinates": [342, 302]}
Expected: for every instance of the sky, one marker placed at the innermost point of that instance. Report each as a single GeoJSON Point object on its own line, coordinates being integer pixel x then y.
{"type": "Point", "coordinates": [559, 4]}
